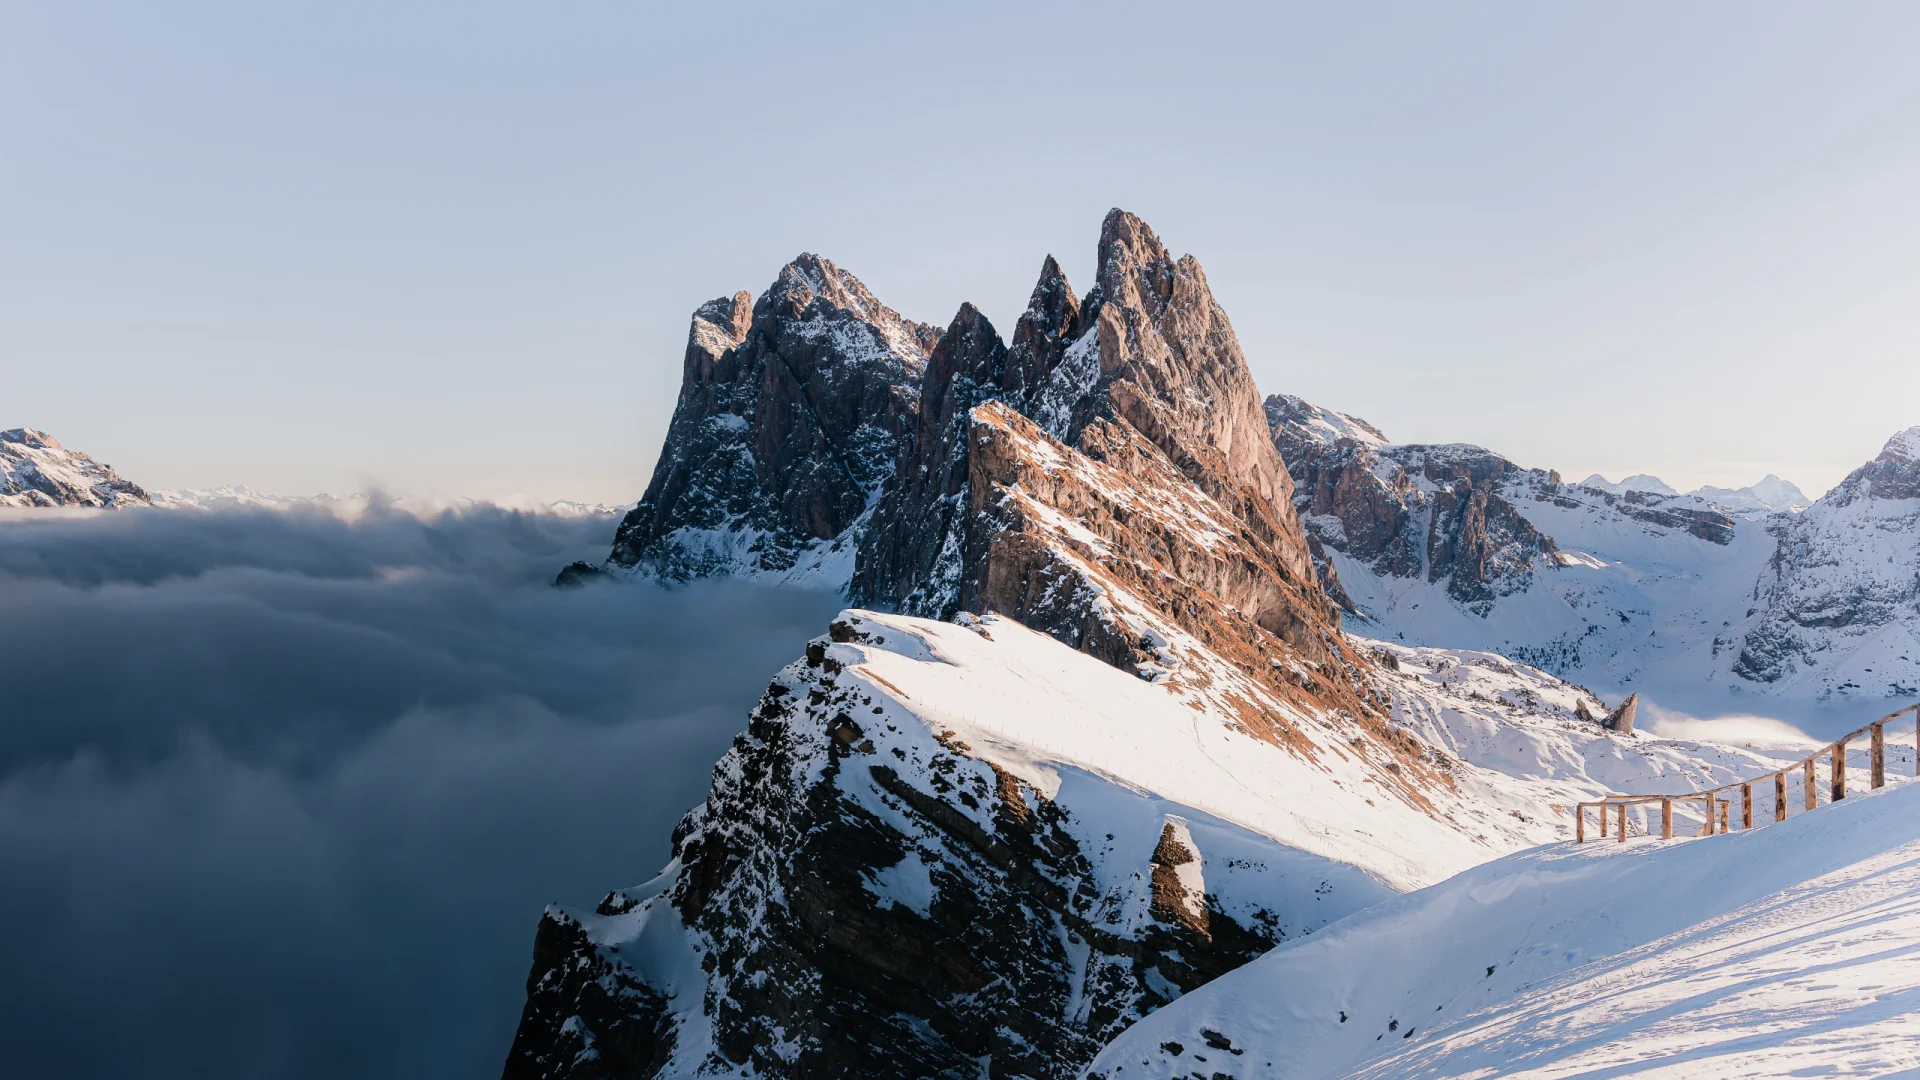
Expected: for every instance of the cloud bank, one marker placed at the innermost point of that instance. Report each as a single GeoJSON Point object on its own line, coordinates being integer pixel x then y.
{"type": "Point", "coordinates": [282, 794]}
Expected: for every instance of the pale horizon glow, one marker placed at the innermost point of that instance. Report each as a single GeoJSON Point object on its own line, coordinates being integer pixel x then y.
{"type": "Point", "coordinates": [450, 250]}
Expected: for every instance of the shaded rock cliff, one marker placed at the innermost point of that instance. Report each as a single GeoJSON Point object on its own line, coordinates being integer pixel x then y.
{"type": "Point", "coordinates": [792, 415]}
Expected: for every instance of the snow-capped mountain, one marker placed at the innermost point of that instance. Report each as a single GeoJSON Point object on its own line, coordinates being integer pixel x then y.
{"type": "Point", "coordinates": [1770, 494]}
{"type": "Point", "coordinates": [35, 470]}
{"type": "Point", "coordinates": [1620, 589]}
{"type": "Point", "coordinates": [792, 413]}
{"type": "Point", "coordinates": [1110, 744]}
{"type": "Point", "coordinates": [1455, 545]}
{"type": "Point", "coordinates": [1641, 482]}
{"type": "Point", "coordinates": [1837, 609]}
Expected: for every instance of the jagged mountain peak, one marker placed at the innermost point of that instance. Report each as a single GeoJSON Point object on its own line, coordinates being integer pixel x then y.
{"type": "Point", "coordinates": [794, 410]}
{"type": "Point", "coordinates": [1169, 364]}
{"type": "Point", "coordinates": [26, 436]}
{"type": "Point", "coordinates": [1893, 474]}
{"type": "Point", "coordinates": [813, 287]}
{"type": "Point", "coordinates": [1303, 429]}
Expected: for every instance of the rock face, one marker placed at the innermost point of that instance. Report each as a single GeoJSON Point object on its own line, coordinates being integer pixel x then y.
{"type": "Point", "coordinates": [793, 413]}
{"type": "Point", "coordinates": [35, 470]}
{"type": "Point", "coordinates": [1838, 608]}
{"type": "Point", "coordinates": [1441, 513]}
{"type": "Point", "coordinates": [911, 552]}
{"type": "Point", "coordinates": [1622, 718]}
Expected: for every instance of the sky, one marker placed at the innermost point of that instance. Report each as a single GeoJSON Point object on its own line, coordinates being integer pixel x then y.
{"type": "Point", "coordinates": [451, 249]}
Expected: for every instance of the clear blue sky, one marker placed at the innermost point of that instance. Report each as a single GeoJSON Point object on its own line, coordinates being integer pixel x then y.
{"type": "Point", "coordinates": [452, 248]}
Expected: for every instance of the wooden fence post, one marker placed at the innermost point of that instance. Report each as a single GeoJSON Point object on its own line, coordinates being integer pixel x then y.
{"type": "Point", "coordinates": [1603, 821]}
{"type": "Point", "coordinates": [1708, 831]}
{"type": "Point", "coordinates": [1666, 819]}
{"type": "Point", "coordinates": [1780, 795]}
{"type": "Point", "coordinates": [1726, 808]}
{"type": "Point", "coordinates": [1879, 756]}
{"type": "Point", "coordinates": [1580, 823]}
{"type": "Point", "coordinates": [1839, 770]}
{"type": "Point", "coordinates": [1746, 806]}
{"type": "Point", "coordinates": [1623, 824]}
{"type": "Point", "coordinates": [1813, 794]}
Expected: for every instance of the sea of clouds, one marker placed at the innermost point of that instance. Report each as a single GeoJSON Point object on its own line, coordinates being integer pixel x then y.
{"type": "Point", "coordinates": [282, 793]}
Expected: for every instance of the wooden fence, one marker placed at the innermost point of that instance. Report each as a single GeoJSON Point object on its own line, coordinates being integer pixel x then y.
{"type": "Point", "coordinates": [1719, 808]}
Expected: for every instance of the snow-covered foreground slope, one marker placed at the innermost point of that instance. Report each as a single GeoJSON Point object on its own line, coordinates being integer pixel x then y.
{"type": "Point", "coordinates": [951, 843]}
{"type": "Point", "coordinates": [1786, 951]}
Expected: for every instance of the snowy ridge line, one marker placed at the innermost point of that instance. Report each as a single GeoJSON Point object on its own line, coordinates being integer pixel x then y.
{"type": "Point", "coordinates": [1836, 752]}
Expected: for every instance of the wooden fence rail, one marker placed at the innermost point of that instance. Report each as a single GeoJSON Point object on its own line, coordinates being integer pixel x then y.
{"type": "Point", "coordinates": [1720, 809]}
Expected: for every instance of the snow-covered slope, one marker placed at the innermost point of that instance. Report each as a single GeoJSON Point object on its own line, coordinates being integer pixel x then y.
{"type": "Point", "coordinates": [922, 810]}
{"type": "Point", "coordinates": [1786, 951]}
{"type": "Point", "coordinates": [35, 470]}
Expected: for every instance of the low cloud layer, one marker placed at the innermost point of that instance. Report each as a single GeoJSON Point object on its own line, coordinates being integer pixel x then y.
{"type": "Point", "coordinates": [283, 794]}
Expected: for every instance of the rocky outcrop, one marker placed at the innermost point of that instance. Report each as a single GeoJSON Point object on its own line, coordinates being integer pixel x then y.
{"type": "Point", "coordinates": [35, 470]}
{"type": "Point", "coordinates": [1621, 719]}
{"type": "Point", "coordinates": [793, 413]}
{"type": "Point", "coordinates": [1838, 607]}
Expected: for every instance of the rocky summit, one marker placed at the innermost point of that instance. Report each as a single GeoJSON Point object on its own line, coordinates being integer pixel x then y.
{"type": "Point", "coordinates": [793, 412]}
{"type": "Point", "coordinates": [35, 470]}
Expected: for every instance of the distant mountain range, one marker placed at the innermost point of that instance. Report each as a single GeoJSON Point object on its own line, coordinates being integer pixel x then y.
{"type": "Point", "coordinates": [1771, 493]}
{"type": "Point", "coordinates": [36, 471]}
